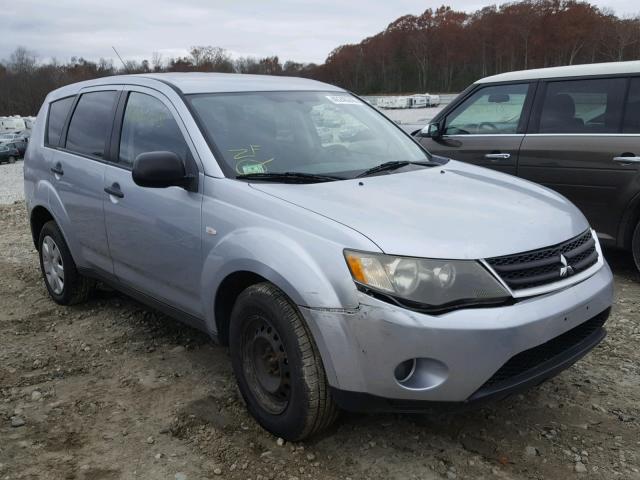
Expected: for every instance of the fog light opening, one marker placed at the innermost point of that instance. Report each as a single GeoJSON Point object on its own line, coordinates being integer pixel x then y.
{"type": "Point", "coordinates": [421, 373]}
{"type": "Point", "coordinates": [405, 370]}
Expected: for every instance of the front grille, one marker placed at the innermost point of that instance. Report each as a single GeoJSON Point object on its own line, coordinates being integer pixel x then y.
{"type": "Point", "coordinates": [532, 358]}
{"type": "Point", "coordinates": [547, 265]}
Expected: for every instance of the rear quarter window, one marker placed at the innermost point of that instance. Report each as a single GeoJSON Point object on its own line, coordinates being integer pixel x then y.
{"type": "Point", "coordinates": [58, 112]}
{"type": "Point", "coordinates": [91, 123]}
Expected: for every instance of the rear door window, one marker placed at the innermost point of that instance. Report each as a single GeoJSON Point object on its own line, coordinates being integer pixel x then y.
{"type": "Point", "coordinates": [631, 122]}
{"type": "Point", "coordinates": [91, 123]}
{"type": "Point", "coordinates": [490, 110]}
{"type": "Point", "coordinates": [583, 106]}
{"type": "Point", "coordinates": [149, 126]}
{"type": "Point", "coordinates": [58, 112]}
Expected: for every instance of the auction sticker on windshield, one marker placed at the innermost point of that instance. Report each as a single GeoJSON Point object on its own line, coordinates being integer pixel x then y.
{"type": "Point", "coordinates": [344, 100]}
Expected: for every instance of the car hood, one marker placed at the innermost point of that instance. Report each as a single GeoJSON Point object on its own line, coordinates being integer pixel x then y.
{"type": "Point", "coordinates": [455, 211]}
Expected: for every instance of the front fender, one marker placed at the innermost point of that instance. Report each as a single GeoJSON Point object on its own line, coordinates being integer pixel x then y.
{"type": "Point", "coordinates": [321, 280]}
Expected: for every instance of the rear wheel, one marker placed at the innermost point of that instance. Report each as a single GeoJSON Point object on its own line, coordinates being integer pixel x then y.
{"type": "Point", "coordinates": [277, 365]}
{"type": "Point", "coordinates": [635, 245]}
{"type": "Point", "coordinates": [64, 284]}
{"type": "Point", "coordinates": [12, 159]}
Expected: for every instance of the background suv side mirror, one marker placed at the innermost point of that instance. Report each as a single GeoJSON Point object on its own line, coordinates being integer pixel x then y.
{"type": "Point", "coordinates": [432, 130]}
{"type": "Point", "coordinates": [159, 170]}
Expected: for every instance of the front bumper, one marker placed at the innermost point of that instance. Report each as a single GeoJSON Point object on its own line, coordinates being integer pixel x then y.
{"type": "Point", "coordinates": [460, 351]}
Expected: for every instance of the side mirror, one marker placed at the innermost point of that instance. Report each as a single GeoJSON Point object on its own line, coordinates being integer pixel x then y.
{"type": "Point", "coordinates": [159, 170]}
{"type": "Point", "coordinates": [433, 130]}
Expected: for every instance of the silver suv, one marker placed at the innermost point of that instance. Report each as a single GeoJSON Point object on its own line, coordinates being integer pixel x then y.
{"type": "Point", "coordinates": [343, 264]}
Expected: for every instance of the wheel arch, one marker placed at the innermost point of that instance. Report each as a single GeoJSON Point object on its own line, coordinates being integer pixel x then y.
{"type": "Point", "coordinates": [628, 223]}
{"type": "Point", "coordinates": [310, 274]}
{"type": "Point", "coordinates": [39, 216]}
{"type": "Point", "coordinates": [225, 298]}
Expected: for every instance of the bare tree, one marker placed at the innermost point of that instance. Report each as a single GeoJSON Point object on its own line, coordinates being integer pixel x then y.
{"type": "Point", "coordinates": [22, 60]}
{"type": "Point", "coordinates": [157, 62]}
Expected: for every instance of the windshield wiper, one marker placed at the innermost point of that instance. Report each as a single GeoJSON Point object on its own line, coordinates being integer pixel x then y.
{"type": "Point", "coordinates": [289, 177]}
{"type": "Point", "coordinates": [393, 165]}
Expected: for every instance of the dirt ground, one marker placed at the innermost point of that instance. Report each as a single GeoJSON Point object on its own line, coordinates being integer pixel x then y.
{"type": "Point", "coordinates": [110, 390]}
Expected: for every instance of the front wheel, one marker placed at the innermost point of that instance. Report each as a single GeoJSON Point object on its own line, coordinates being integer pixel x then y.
{"type": "Point", "coordinates": [277, 365]}
{"type": "Point", "coordinates": [12, 159]}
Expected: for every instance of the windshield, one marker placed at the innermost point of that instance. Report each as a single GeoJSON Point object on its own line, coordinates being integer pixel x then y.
{"type": "Point", "coordinates": [323, 133]}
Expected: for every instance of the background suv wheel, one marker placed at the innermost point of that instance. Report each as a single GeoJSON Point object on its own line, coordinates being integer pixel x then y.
{"type": "Point", "coordinates": [635, 245]}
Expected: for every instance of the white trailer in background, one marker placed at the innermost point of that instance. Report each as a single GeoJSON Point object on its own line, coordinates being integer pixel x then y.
{"type": "Point", "coordinates": [394, 102]}
{"type": "Point", "coordinates": [418, 101]}
{"type": "Point", "coordinates": [432, 100]}
{"type": "Point", "coordinates": [9, 124]}
{"type": "Point", "coordinates": [29, 122]}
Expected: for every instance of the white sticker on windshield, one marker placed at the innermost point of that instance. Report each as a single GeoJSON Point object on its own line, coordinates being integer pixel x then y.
{"type": "Point", "coordinates": [344, 99]}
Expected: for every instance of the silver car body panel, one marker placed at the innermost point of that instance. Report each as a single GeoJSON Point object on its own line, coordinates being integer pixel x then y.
{"type": "Point", "coordinates": [361, 349]}
{"type": "Point", "coordinates": [187, 243]}
{"type": "Point", "coordinates": [435, 212]}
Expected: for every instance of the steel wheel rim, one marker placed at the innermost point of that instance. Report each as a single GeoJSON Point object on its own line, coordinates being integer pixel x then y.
{"type": "Point", "coordinates": [265, 365]}
{"type": "Point", "coordinates": [53, 265]}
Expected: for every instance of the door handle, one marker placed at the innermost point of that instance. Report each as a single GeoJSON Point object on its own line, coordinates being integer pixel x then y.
{"type": "Point", "coordinates": [497, 156]}
{"type": "Point", "coordinates": [114, 190]}
{"type": "Point", "coordinates": [630, 159]}
{"type": "Point", "coordinates": [57, 169]}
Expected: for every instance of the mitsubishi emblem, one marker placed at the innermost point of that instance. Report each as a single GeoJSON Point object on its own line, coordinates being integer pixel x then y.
{"type": "Point", "coordinates": [565, 269]}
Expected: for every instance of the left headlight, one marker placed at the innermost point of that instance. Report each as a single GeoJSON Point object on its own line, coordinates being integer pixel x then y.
{"type": "Point", "coordinates": [424, 283]}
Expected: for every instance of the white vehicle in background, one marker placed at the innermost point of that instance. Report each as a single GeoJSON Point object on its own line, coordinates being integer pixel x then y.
{"type": "Point", "coordinates": [418, 101]}
{"type": "Point", "coordinates": [8, 124]}
{"type": "Point", "coordinates": [29, 122]}
{"type": "Point", "coordinates": [8, 137]}
{"type": "Point", "coordinates": [424, 100]}
{"type": "Point", "coordinates": [432, 100]}
{"type": "Point", "coordinates": [11, 137]}
{"type": "Point", "coordinates": [394, 102]}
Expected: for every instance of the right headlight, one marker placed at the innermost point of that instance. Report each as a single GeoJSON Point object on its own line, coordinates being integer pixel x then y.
{"type": "Point", "coordinates": [424, 283]}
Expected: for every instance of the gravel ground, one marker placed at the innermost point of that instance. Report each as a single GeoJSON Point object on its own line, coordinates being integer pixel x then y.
{"type": "Point", "coordinates": [11, 184]}
{"type": "Point", "coordinates": [112, 390]}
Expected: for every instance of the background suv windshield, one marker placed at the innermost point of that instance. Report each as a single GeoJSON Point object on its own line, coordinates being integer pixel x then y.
{"type": "Point", "coordinates": [309, 132]}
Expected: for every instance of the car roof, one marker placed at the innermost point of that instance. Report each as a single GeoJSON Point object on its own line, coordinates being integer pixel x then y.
{"type": "Point", "coordinates": [199, 82]}
{"type": "Point", "coordinates": [591, 69]}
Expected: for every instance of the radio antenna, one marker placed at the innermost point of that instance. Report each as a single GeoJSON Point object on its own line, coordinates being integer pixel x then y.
{"type": "Point", "coordinates": [123, 64]}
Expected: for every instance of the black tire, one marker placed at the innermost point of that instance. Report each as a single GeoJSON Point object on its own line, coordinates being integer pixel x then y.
{"type": "Point", "coordinates": [12, 159]}
{"type": "Point", "coordinates": [635, 245]}
{"type": "Point", "coordinates": [75, 287]}
{"type": "Point", "coordinates": [301, 405]}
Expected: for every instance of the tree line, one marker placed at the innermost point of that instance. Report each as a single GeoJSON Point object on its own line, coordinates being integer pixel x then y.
{"type": "Point", "coordinates": [25, 82]}
{"type": "Point", "coordinates": [441, 50]}
{"type": "Point", "coordinates": [444, 50]}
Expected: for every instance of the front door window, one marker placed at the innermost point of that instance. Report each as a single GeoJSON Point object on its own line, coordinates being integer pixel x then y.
{"type": "Point", "coordinates": [490, 110]}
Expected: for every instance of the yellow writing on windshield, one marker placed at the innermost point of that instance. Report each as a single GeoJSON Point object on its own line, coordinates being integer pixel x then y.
{"type": "Point", "coordinates": [241, 153]}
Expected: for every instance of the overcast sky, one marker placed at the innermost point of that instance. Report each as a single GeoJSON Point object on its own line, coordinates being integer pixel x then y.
{"type": "Point", "coordinates": [302, 30]}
